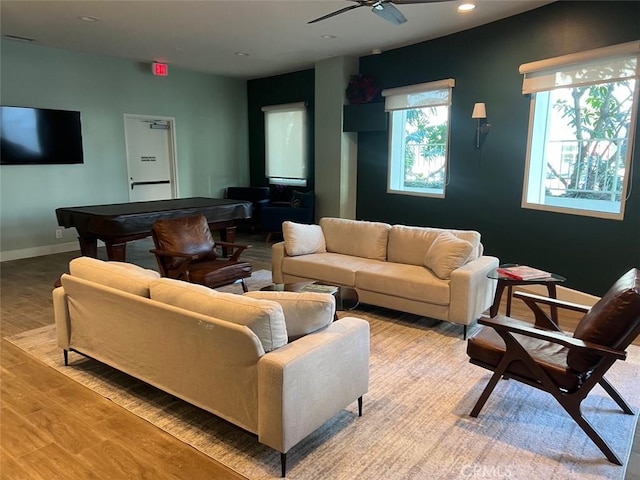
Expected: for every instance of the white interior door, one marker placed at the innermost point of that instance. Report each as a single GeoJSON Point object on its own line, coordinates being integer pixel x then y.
{"type": "Point", "coordinates": [151, 165]}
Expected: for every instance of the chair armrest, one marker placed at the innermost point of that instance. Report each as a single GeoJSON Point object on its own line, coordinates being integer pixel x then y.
{"type": "Point", "coordinates": [533, 298]}
{"type": "Point", "coordinates": [236, 248]}
{"type": "Point", "coordinates": [307, 382]}
{"type": "Point", "coordinates": [471, 292]}
{"type": "Point", "coordinates": [180, 271]}
{"type": "Point", "coordinates": [542, 319]}
{"type": "Point", "coordinates": [528, 330]}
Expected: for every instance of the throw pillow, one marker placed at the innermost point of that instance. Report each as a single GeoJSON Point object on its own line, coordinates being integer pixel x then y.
{"type": "Point", "coordinates": [301, 239]}
{"type": "Point", "coordinates": [447, 253]}
{"type": "Point", "coordinates": [302, 199]}
{"type": "Point", "coordinates": [304, 312]}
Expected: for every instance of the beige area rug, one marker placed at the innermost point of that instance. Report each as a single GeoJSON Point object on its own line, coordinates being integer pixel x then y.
{"type": "Point", "coordinates": [415, 423]}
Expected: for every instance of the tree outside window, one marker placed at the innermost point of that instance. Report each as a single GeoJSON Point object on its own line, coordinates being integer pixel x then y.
{"type": "Point", "coordinates": [418, 138]}
{"type": "Point", "coordinates": [580, 138]}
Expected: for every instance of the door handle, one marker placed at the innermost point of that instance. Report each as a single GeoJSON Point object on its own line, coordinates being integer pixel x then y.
{"type": "Point", "coordinates": [155, 182]}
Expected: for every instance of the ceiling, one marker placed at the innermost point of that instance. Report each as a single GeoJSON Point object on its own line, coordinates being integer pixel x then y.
{"type": "Point", "coordinates": [206, 35]}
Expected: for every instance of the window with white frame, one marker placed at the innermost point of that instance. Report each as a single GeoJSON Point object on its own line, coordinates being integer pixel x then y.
{"type": "Point", "coordinates": [419, 137]}
{"type": "Point", "coordinates": [581, 130]}
{"type": "Point", "coordinates": [286, 143]}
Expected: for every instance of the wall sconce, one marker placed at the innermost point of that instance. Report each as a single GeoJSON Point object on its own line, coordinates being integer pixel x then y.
{"type": "Point", "coordinates": [480, 114]}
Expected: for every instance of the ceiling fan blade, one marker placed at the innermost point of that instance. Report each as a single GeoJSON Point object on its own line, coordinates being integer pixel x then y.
{"type": "Point", "coordinates": [407, 2]}
{"type": "Point", "coordinates": [389, 12]}
{"type": "Point", "coordinates": [338, 12]}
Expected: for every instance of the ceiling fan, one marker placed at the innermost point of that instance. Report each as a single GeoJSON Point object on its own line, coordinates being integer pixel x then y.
{"type": "Point", "coordinates": [383, 8]}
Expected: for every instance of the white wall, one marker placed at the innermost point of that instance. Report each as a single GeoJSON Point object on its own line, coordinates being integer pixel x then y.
{"type": "Point", "coordinates": [211, 135]}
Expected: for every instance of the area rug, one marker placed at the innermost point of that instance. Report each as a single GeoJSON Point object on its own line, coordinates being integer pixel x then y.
{"type": "Point", "coordinates": [416, 422]}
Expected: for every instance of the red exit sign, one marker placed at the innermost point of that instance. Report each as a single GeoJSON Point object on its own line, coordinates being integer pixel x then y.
{"type": "Point", "coordinates": [160, 69]}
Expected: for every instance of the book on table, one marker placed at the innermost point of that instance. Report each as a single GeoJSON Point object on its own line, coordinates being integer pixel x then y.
{"type": "Point", "coordinates": [317, 288]}
{"type": "Point", "coordinates": [523, 272]}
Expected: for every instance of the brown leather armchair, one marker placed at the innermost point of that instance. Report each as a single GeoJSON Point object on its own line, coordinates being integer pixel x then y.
{"type": "Point", "coordinates": [567, 367]}
{"type": "Point", "coordinates": [185, 250]}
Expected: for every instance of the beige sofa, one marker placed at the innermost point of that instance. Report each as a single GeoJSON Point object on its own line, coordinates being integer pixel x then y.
{"type": "Point", "coordinates": [434, 272]}
{"type": "Point", "coordinates": [231, 355]}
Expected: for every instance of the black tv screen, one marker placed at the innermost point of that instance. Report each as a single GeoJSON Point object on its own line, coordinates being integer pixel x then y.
{"type": "Point", "coordinates": [37, 136]}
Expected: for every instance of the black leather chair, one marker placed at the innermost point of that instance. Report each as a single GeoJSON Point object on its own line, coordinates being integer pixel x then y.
{"type": "Point", "coordinates": [300, 209]}
{"type": "Point", "coordinates": [567, 367]}
{"type": "Point", "coordinates": [185, 250]}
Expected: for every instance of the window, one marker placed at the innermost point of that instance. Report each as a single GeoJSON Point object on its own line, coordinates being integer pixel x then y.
{"type": "Point", "coordinates": [419, 138]}
{"type": "Point", "coordinates": [583, 112]}
{"type": "Point", "coordinates": [286, 143]}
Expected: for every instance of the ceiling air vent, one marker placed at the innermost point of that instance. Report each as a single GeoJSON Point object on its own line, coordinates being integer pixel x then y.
{"type": "Point", "coordinates": [17, 38]}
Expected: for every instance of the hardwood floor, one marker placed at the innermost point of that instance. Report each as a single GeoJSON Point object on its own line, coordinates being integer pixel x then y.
{"type": "Point", "coordinates": [54, 428]}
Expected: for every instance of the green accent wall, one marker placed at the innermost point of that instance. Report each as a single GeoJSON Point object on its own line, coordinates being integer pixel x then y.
{"type": "Point", "coordinates": [211, 134]}
{"type": "Point", "coordinates": [485, 188]}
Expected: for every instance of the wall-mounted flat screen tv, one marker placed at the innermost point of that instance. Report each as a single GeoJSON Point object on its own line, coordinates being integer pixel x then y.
{"type": "Point", "coordinates": [39, 136]}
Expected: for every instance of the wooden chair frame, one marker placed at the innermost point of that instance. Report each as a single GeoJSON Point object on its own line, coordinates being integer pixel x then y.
{"type": "Point", "coordinates": [546, 329]}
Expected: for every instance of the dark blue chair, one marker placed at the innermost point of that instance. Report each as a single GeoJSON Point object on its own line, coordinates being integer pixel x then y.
{"type": "Point", "coordinates": [300, 209]}
{"type": "Point", "coordinates": [259, 198]}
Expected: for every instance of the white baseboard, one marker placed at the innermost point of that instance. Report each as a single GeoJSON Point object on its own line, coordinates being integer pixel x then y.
{"type": "Point", "coordinates": [564, 294]}
{"type": "Point", "coordinates": [38, 251]}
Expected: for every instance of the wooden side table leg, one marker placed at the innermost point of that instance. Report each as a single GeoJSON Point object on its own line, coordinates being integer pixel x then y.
{"type": "Point", "coordinates": [509, 293]}
{"type": "Point", "coordinates": [493, 311]}
{"type": "Point", "coordinates": [551, 288]}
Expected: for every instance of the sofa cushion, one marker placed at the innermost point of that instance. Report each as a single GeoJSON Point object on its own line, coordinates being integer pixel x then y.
{"type": "Point", "coordinates": [123, 276]}
{"type": "Point", "coordinates": [413, 282]}
{"type": "Point", "coordinates": [332, 268]}
{"type": "Point", "coordinates": [446, 254]}
{"type": "Point", "coordinates": [263, 317]}
{"type": "Point", "coordinates": [356, 238]}
{"type": "Point", "coordinates": [410, 244]}
{"type": "Point", "coordinates": [304, 312]}
{"type": "Point", "coordinates": [301, 239]}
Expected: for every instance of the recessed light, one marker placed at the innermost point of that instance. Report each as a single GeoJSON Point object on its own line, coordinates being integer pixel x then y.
{"type": "Point", "coordinates": [328, 36]}
{"type": "Point", "coordinates": [242, 54]}
{"type": "Point", "coordinates": [87, 18]}
{"type": "Point", "coordinates": [466, 7]}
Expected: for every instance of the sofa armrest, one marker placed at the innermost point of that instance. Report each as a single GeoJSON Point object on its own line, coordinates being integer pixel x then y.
{"type": "Point", "coordinates": [307, 382]}
{"type": "Point", "coordinates": [471, 292]}
{"type": "Point", "coordinates": [61, 316]}
{"type": "Point", "coordinates": [277, 255]}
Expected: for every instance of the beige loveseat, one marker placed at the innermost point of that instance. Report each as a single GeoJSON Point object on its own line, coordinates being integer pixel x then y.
{"type": "Point", "coordinates": [434, 272]}
{"type": "Point", "coordinates": [231, 355]}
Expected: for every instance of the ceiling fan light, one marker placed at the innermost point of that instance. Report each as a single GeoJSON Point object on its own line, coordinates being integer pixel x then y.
{"type": "Point", "coordinates": [389, 12]}
{"type": "Point", "coordinates": [466, 7]}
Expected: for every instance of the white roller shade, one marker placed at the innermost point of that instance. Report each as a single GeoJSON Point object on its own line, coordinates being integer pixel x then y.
{"type": "Point", "coordinates": [430, 94]}
{"type": "Point", "coordinates": [286, 141]}
{"type": "Point", "coordinates": [609, 64]}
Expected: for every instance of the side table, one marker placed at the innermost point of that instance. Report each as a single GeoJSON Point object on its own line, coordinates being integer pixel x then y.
{"type": "Point", "coordinates": [510, 282]}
